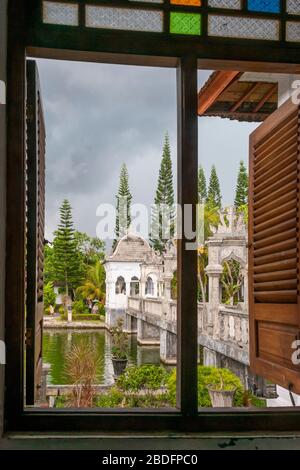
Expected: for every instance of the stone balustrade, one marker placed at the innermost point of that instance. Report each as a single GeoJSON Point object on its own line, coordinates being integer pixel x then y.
{"type": "Point", "coordinates": [134, 303]}
{"type": "Point", "coordinates": [152, 306]}
{"type": "Point", "coordinates": [234, 326]}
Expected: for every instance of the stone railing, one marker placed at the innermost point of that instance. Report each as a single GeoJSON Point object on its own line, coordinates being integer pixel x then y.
{"type": "Point", "coordinates": [233, 322]}
{"type": "Point", "coordinates": [201, 316]}
{"type": "Point", "coordinates": [152, 306]}
{"type": "Point", "coordinates": [172, 311]}
{"type": "Point", "coordinates": [134, 303]}
{"type": "Point", "coordinates": [234, 326]}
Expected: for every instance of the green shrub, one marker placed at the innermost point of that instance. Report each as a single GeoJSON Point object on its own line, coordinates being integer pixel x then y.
{"type": "Point", "coordinates": [79, 307]}
{"type": "Point", "coordinates": [147, 377]}
{"type": "Point", "coordinates": [81, 317]}
{"type": "Point", "coordinates": [146, 401]}
{"type": "Point", "coordinates": [61, 402]}
{"type": "Point", "coordinates": [210, 376]}
{"type": "Point", "coordinates": [61, 310]}
{"type": "Point", "coordinates": [47, 311]}
{"type": "Point", "coordinates": [86, 317]}
{"type": "Point", "coordinates": [115, 398]}
{"type": "Point", "coordinates": [111, 399]}
{"type": "Point", "coordinates": [49, 294]}
{"type": "Point", "coordinates": [101, 310]}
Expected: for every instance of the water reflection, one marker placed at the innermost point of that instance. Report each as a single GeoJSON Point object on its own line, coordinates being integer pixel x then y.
{"type": "Point", "coordinates": [57, 344]}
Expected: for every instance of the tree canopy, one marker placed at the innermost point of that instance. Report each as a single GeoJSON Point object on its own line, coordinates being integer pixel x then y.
{"type": "Point", "coordinates": [241, 192]}
{"type": "Point", "coordinates": [163, 211]}
{"type": "Point", "coordinates": [124, 198]}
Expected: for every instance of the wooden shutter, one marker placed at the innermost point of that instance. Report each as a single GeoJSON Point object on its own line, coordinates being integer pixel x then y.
{"type": "Point", "coordinates": [274, 302]}
{"type": "Point", "coordinates": [35, 234]}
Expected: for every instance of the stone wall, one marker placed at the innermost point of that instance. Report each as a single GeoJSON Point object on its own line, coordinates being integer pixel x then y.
{"type": "Point", "coordinates": [3, 25]}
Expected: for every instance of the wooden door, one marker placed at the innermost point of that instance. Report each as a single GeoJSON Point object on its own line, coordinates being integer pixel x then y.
{"type": "Point", "coordinates": [274, 213]}
{"type": "Point", "coordinates": [35, 234]}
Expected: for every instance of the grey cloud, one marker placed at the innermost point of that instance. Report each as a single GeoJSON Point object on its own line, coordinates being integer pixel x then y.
{"type": "Point", "coordinates": [99, 116]}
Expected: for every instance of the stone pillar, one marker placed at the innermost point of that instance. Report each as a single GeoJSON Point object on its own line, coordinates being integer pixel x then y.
{"type": "Point", "coordinates": [44, 380]}
{"type": "Point", "coordinates": [112, 315]}
{"type": "Point", "coordinates": [168, 347]}
{"type": "Point", "coordinates": [69, 310]}
{"type": "Point", "coordinates": [167, 293]}
{"type": "Point", "coordinates": [128, 288]}
{"type": "Point", "coordinates": [214, 272]}
{"type": "Point", "coordinates": [210, 357]}
{"type": "Point", "coordinates": [147, 334]}
{"type": "Point", "coordinates": [131, 323]}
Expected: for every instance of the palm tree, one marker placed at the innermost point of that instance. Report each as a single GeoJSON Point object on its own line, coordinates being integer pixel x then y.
{"type": "Point", "coordinates": [94, 285]}
{"type": "Point", "coordinates": [202, 277]}
{"type": "Point", "coordinates": [209, 218]}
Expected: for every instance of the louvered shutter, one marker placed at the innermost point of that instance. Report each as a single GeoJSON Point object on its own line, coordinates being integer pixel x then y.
{"type": "Point", "coordinates": [35, 234]}
{"type": "Point", "coordinates": [274, 303]}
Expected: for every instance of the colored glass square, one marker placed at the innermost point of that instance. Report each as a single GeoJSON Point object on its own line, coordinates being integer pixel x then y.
{"type": "Point", "coordinates": [266, 6]}
{"type": "Point", "coordinates": [190, 3]}
{"type": "Point", "coordinates": [185, 23]}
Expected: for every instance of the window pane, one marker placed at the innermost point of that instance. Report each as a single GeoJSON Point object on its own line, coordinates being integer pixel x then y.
{"type": "Point", "coordinates": [293, 7]}
{"type": "Point", "coordinates": [247, 276]}
{"type": "Point", "coordinates": [125, 19]}
{"type": "Point", "coordinates": [267, 6]}
{"type": "Point", "coordinates": [234, 4]}
{"type": "Point", "coordinates": [293, 31]}
{"type": "Point", "coordinates": [60, 13]}
{"type": "Point", "coordinates": [196, 3]}
{"type": "Point", "coordinates": [247, 28]}
{"type": "Point", "coordinates": [109, 307]}
{"type": "Point", "coordinates": [185, 23]}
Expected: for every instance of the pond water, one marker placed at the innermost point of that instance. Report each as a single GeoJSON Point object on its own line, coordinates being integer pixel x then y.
{"type": "Point", "coordinates": [57, 343]}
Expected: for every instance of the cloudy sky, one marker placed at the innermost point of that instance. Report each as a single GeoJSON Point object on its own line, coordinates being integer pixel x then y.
{"type": "Point", "coordinates": [99, 116]}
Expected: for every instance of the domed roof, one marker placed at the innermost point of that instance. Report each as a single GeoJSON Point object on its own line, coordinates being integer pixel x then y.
{"type": "Point", "coordinates": [131, 247]}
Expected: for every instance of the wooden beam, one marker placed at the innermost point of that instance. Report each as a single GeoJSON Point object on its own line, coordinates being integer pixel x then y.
{"type": "Point", "coordinates": [266, 97]}
{"type": "Point", "coordinates": [208, 95]}
{"type": "Point", "coordinates": [187, 331]}
{"type": "Point", "coordinates": [244, 97]}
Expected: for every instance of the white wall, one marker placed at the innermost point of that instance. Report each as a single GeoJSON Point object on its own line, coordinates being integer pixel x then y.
{"type": "Point", "coordinates": [3, 25]}
{"type": "Point", "coordinates": [114, 269]}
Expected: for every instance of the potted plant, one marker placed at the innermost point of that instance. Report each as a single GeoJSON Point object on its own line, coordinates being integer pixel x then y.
{"type": "Point", "coordinates": [119, 348]}
{"type": "Point", "coordinates": [221, 395]}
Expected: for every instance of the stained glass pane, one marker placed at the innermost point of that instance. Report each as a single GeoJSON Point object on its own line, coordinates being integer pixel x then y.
{"type": "Point", "coordinates": [268, 6]}
{"type": "Point", "coordinates": [195, 3]}
{"type": "Point", "coordinates": [233, 4]}
{"type": "Point", "coordinates": [185, 23]}
{"type": "Point", "coordinates": [293, 7]}
{"type": "Point", "coordinates": [124, 18]}
{"type": "Point", "coordinates": [60, 13]}
{"type": "Point", "coordinates": [248, 28]}
{"type": "Point", "coordinates": [293, 31]}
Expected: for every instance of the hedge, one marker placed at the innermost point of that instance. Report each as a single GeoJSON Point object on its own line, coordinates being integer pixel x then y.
{"type": "Point", "coordinates": [210, 376]}
{"type": "Point", "coordinates": [83, 317]}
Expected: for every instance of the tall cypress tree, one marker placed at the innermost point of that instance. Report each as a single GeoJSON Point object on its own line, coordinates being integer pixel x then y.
{"type": "Point", "coordinates": [124, 198]}
{"type": "Point", "coordinates": [67, 265]}
{"type": "Point", "coordinates": [214, 192]}
{"type": "Point", "coordinates": [202, 191]}
{"type": "Point", "coordinates": [241, 193]}
{"type": "Point", "coordinates": [163, 212]}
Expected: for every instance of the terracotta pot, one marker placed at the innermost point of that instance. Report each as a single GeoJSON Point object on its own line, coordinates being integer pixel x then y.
{"type": "Point", "coordinates": [221, 398]}
{"type": "Point", "coordinates": [119, 366]}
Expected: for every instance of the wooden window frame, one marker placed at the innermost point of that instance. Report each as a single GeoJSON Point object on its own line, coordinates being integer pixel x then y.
{"type": "Point", "coordinates": [25, 37]}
